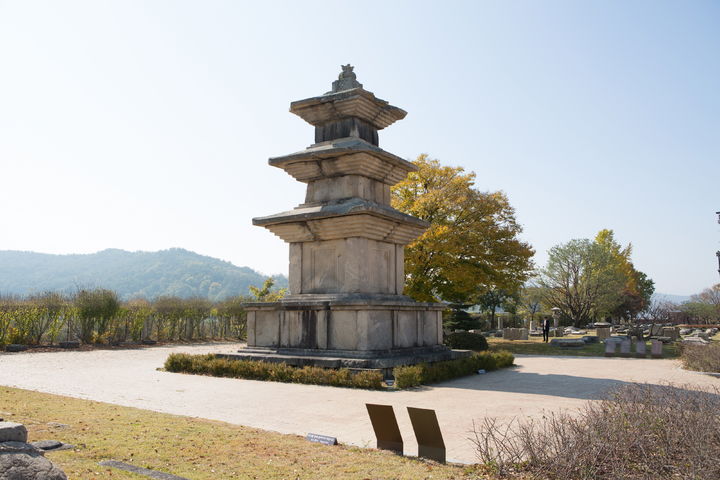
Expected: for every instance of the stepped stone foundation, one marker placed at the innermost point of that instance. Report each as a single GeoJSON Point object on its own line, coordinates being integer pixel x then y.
{"type": "Point", "coordinates": [346, 305]}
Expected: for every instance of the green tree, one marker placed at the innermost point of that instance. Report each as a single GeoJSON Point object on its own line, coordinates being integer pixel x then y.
{"type": "Point", "coordinates": [531, 301]}
{"type": "Point", "coordinates": [635, 295]}
{"type": "Point", "coordinates": [592, 279]}
{"type": "Point", "coordinates": [95, 308]}
{"type": "Point", "coordinates": [579, 277]}
{"type": "Point", "coordinates": [457, 318]}
{"type": "Point", "coordinates": [705, 306]}
{"type": "Point", "coordinates": [472, 245]}
{"type": "Point", "coordinates": [266, 292]}
{"type": "Point", "coordinates": [496, 298]}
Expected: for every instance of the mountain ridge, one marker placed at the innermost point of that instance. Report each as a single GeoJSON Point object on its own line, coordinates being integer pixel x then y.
{"type": "Point", "coordinates": [174, 271]}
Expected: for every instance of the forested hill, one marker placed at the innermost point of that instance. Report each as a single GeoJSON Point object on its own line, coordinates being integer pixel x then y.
{"type": "Point", "coordinates": [131, 274]}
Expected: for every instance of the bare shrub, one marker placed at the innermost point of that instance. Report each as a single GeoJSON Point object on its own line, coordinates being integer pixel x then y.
{"type": "Point", "coordinates": [638, 432]}
{"type": "Point", "coordinates": [703, 358]}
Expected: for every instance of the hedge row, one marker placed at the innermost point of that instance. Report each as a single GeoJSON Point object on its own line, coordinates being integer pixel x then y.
{"type": "Point", "coordinates": [274, 372]}
{"type": "Point", "coordinates": [466, 341]}
{"type": "Point", "coordinates": [424, 373]}
{"type": "Point", "coordinates": [406, 376]}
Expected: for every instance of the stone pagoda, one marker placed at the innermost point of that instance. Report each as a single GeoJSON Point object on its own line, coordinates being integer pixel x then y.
{"type": "Point", "coordinates": [346, 305]}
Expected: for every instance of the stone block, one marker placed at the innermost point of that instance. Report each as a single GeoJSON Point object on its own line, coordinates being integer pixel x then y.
{"type": "Point", "coordinates": [406, 329]}
{"type": "Point", "coordinates": [343, 330]}
{"type": "Point", "coordinates": [672, 332]}
{"type": "Point", "coordinates": [567, 342]}
{"type": "Point", "coordinates": [430, 328]}
{"type": "Point", "coordinates": [625, 347]}
{"type": "Point", "coordinates": [610, 348]}
{"type": "Point", "coordinates": [640, 351]}
{"type": "Point", "coordinates": [656, 349]}
{"type": "Point", "coordinates": [374, 329]}
{"type": "Point", "coordinates": [603, 332]}
{"type": "Point", "coordinates": [267, 328]}
{"type": "Point", "coordinates": [12, 432]}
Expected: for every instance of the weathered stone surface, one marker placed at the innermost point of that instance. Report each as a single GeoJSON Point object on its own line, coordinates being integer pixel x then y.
{"type": "Point", "coordinates": [591, 339]}
{"type": "Point", "coordinates": [610, 348]}
{"type": "Point", "coordinates": [515, 333]}
{"type": "Point", "coordinates": [47, 444]}
{"type": "Point", "coordinates": [22, 461]}
{"type": "Point", "coordinates": [140, 470]}
{"type": "Point", "coordinates": [12, 432]}
{"type": "Point", "coordinates": [602, 332]}
{"type": "Point", "coordinates": [15, 347]}
{"type": "Point", "coordinates": [625, 345]}
{"type": "Point", "coordinates": [656, 349]}
{"type": "Point", "coordinates": [567, 342]}
{"type": "Point", "coordinates": [672, 332]}
{"type": "Point", "coordinates": [356, 102]}
{"type": "Point", "coordinates": [640, 350]}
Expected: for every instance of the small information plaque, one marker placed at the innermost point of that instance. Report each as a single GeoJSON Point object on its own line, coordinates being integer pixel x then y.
{"type": "Point", "coordinates": [324, 439]}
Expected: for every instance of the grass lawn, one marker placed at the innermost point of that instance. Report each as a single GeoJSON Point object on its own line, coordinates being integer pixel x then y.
{"type": "Point", "coordinates": [535, 346]}
{"type": "Point", "coordinates": [195, 448]}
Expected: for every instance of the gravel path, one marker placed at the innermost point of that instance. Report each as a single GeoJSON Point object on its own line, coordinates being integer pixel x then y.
{"type": "Point", "coordinates": [130, 378]}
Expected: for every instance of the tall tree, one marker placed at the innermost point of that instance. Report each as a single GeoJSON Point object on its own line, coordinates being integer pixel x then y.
{"type": "Point", "coordinates": [472, 245]}
{"type": "Point", "coordinates": [637, 290]}
{"type": "Point", "coordinates": [579, 277]}
{"type": "Point", "coordinates": [495, 298]}
{"type": "Point", "coordinates": [531, 300]}
{"type": "Point", "coordinates": [592, 279]}
{"type": "Point", "coordinates": [705, 306]}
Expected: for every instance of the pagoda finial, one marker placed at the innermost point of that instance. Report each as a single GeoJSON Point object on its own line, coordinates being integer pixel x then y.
{"type": "Point", "coordinates": [346, 80]}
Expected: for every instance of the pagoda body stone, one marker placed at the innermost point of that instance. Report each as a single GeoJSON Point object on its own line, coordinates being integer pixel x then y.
{"type": "Point", "coordinates": [346, 305]}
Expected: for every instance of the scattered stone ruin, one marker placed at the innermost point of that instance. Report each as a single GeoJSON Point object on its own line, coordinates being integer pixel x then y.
{"type": "Point", "coordinates": [22, 460]}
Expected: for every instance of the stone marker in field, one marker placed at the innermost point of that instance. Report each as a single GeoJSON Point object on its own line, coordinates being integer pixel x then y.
{"type": "Point", "coordinates": [656, 349]}
{"type": "Point", "coordinates": [610, 348]}
{"type": "Point", "coordinates": [21, 460]}
{"type": "Point", "coordinates": [346, 305]}
{"type": "Point", "coordinates": [602, 332]}
{"type": "Point", "coordinates": [640, 351]}
{"type": "Point", "coordinates": [625, 347]}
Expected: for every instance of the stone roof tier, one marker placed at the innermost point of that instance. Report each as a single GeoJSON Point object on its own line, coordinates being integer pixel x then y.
{"type": "Point", "coordinates": [337, 106]}
{"type": "Point", "coordinates": [353, 217]}
{"type": "Point", "coordinates": [344, 156]}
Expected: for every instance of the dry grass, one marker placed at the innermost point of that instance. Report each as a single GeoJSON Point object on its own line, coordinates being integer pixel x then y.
{"type": "Point", "coordinates": [702, 358]}
{"type": "Point", "coordinates": [195, 448]}
{"type": "Point", "coordinates": [640, 432]}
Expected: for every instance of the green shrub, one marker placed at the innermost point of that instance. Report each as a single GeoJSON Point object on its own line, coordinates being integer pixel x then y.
{"type": "Point", "coordinates": [424, 373]}
{"type": "Point", "coordinates": [408, 375]}
{"type": "Point", "coordinates": [466, 341]}
{"type": "Point", "coordinates": [275, 372]}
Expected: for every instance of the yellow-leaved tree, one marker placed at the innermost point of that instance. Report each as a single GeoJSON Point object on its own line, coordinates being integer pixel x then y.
{"type": "Point", "coordinates": [472, 245]}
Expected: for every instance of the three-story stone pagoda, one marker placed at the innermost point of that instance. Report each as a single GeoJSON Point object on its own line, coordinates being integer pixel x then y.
{"type": "Point", "coordinates": [346, 305]}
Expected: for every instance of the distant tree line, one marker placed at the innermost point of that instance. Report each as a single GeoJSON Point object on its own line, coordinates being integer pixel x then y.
{"type": "Point", "coordinates": [98, 316]}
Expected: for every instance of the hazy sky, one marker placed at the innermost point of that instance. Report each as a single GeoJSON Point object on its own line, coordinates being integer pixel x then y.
{"type": "Point", "coordinates": [148, 125]}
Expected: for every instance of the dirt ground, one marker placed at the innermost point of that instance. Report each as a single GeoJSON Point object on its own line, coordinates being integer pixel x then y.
{"type": "Point", "coordinates": [131, 377]}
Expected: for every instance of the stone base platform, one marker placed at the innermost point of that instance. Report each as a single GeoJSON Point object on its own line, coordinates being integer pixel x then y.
{"type": "Point", "coordinates": [384, 360]}
{"type": "Point", "coordinates": [357, 323]}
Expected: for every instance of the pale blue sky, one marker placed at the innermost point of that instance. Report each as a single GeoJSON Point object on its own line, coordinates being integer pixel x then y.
{"type": "Point", "coordinates": [148, 125]}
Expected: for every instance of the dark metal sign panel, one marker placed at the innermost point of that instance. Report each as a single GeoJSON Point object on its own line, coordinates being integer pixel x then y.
{"type": "Point", "coordinates": [386, 427]}
{"type": "Point", "coordinates": [427, 432]}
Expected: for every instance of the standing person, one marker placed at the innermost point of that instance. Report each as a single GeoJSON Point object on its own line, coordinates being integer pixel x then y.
{"type": "Point", "coordinates": [546, 328]}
